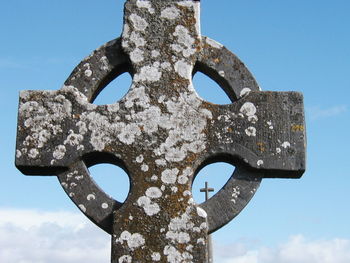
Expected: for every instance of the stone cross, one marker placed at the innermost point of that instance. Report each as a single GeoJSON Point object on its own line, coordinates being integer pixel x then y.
{"type": "Point", "coordinates": [161, 133]}
{"type": "Point", "coordinates": [206, 190]}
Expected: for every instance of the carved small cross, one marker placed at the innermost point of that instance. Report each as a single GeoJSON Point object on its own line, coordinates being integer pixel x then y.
{"type": "Point", "coordinates": [161, 133]}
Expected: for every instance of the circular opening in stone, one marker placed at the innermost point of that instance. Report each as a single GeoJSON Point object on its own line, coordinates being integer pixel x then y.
{"type": "Point", "coordinates": [114, 91]}
{"type": "Point", "coordinates": [216, 175]}
{"type": "Point", "coordinates": [209, 90]}
{"type": "Point", "coordinates": [109, 173]}
{"type": "Point", "coordinates": [112, 179]}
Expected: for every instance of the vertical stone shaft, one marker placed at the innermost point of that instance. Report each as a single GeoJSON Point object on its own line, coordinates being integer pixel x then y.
{"type": "Point", "coordinates": [160, 222]}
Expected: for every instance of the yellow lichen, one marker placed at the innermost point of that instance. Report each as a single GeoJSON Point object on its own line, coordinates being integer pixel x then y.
{"type": "Point", "coordinates": [298, 128]}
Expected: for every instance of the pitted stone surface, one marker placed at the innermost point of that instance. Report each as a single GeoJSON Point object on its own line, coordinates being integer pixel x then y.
{"type": "Point", "coordinates": [161, 133]}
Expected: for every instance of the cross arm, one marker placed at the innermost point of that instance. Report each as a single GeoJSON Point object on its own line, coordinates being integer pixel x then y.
{"type": "Point", "coordinates": [262, 130]}
{"type": "Point", "coordinates": [56, 128]}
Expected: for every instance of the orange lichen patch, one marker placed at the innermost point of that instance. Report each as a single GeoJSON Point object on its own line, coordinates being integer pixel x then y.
{"type": "Point", "coordinates": [261, 146]}
{"type": "Point", "coordinates": [198, 45]}
{"type": "Point", "coordinates": [174, 207]}
{"type": "Point", "coordinates": [298, 128]}
{"type": "Point", "coordinates": [191, 158]}
{"type": "Point", "coordinates": [216, 60]}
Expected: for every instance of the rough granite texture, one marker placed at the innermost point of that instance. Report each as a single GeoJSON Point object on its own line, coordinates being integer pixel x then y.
{"type": "Point", "coordinates": [161, 133]}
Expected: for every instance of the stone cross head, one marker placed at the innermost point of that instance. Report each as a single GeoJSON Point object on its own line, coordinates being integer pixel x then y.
{"type": "Point", "coordinates": [161, 133]}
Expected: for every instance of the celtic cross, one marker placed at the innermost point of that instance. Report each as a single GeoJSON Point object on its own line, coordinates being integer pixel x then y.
{"type": "Point", "coordinates": [161, 133]}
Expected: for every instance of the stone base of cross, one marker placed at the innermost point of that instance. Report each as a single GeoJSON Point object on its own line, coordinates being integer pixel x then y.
{"type": "Point", "coordinates": [161, 133]}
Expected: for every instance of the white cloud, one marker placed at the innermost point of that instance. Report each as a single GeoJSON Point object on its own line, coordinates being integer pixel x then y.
{"type": "Point", "coordinates": [28, 236]}
{"type": "Point", "coordinates": [319, 113]}
{"type": "Point", "coordinates": [296, 250]}
{"type": "Point", "coordinates": [38, 237]}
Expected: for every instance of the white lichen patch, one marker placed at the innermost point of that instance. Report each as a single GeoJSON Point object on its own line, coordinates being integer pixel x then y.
{"type": "Point", "coordinates": [99, 126]}
{"type": "Point", "coordinates": [189, 248]}
{"type": "Point", "coordinates": [201, 241]}
{"type": "Point", "coordinates": [175, 256]}
{"type": "Point", "coordinates": [150, 208]}
{"type": "Point", "coordinates": [235, 194]}
{"type": "Point", "coordinates": [137, 96]}
{"type": "Point", "coordinates": [59, 152]}
{"type": "Point", "coordinates": [91, 197]}
{"type": "Point", "coordinates": [250, 131]}
{"type": "Point", "coordinates": [129, 133]}
{"type": "Point", "coordinates": [153, 192]}
{"type": "Point", "coordinates": [42, 119]}
{"type": "Point", "coordinates": [156, 256]}
{"type": "Point", "coordinates": [138, 22]}
{"type": "Point", "coordinates": [133, 241]}
{"type": "Point", "coordinates": [154, 178]}
{"type": "Point", "coordinates": [145, 4]}
{"type": "Point", "coordinates": [155, 54]}
{"type": "Point", "coordinates": [144, 167]}
{"type": "Point", "coordinates": [149, 118]}
{"type": "Point", "coordinates": [248, 109]}
{"type": "Point", "coordinates": [137, 39]}
{"type": "Point", "coordinates": [161, 162]}
{"type": "Point", "coordinates": [269, 123]}
{"type": "Point", "coordinates": [169, 176]}
{"type": "Point", "coordinates": [201, 212]}
{"type": "Point", "coordinates": [125, 259]}
{"type": "Point", "coordinates": [187, 193]}
{"type": "Point", "coordinates": [260, 162]}
{"type": "Point", "coordinates": [73, 139]}
{"type": "Point", "coordinates": [136, 55]}
{"type": "Point", "coordinates": [184, 177]}
{"type": "Point", "coordinates": [253, 119]}
{"type": "Point", "coordinates": [79, 177]}
{"type": "Point", "coordinates": [166, 66]}
{"type": "Point", "coordinates": [150, 73]}
{"type": "Point", "coordinates": [104, 63]}
{"type": "Point", "coordinates": [244, 91]}
{"type": "Point", "coordinates": [184, 42]}
{"type": "Point", "coordinates": [88, 71]}
{"type": "Point", "coordinates": [183, 69]}
{"type": "Point", "coordinates": [170, 13]}
{"type": "Point", "coordinates": [285, 145]}
{"type": "Point", "coordinates": [18, 154]}
{"type": "Point", "coordinates": [180, 237]}
{"type": "Point", "coordinates": [33, 153]}
{"type": "Point", "coordinates": [179, 229]}
{"type": "Point", "coordinates": [185, 125]}
{"type": "Point", "coordinates": [139, 159]}
{"type": "Point", "coordinates": [104, 205]}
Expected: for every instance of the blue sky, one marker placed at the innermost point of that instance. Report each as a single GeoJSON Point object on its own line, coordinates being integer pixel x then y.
{"type": "Point", "coordinates": [287, 45]}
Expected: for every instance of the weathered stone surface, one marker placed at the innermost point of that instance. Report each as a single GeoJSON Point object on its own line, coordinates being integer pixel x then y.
{"type": "Point", "coordinates": [161, 133]}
